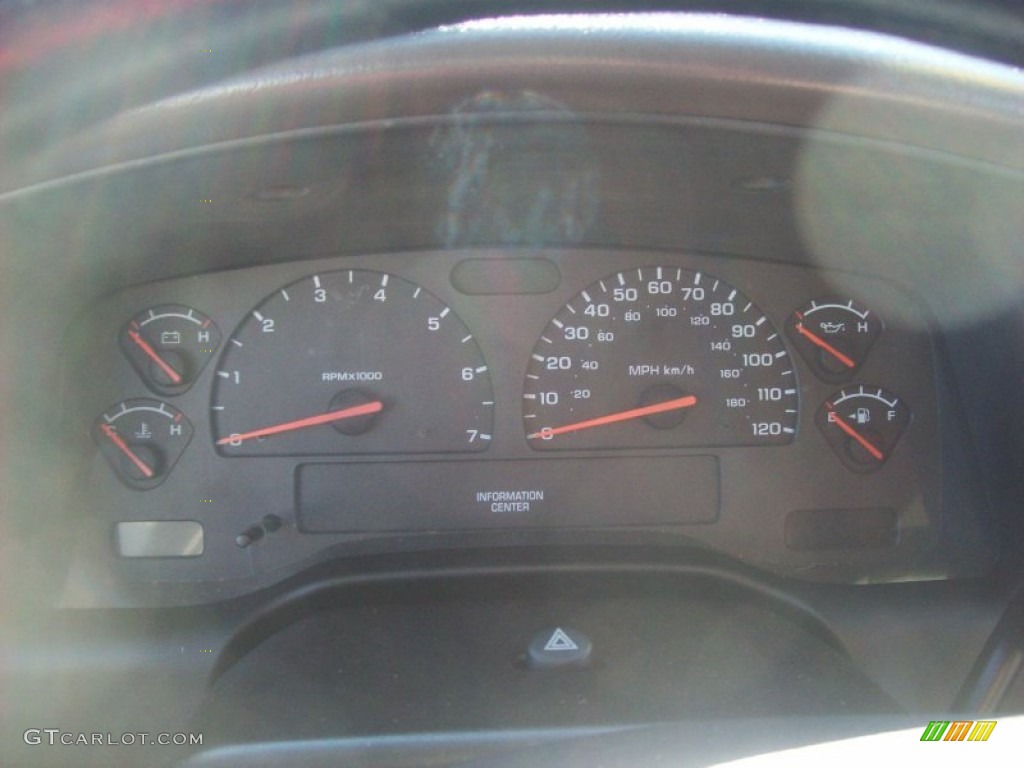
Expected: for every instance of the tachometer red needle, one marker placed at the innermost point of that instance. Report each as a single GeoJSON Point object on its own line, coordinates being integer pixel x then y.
{"type": "Point", "coordinates": [122, 446]}
{"type": "Point", "coordinates": [324, 418]}
{"type": "Point", "coordinates": [820, 342]}
{"type": "Point", "coordinates": [839, 422]}
{"type": "Point", "coordinates": [172, 374]}
{"type": "Point", "coordinates": [633, 413]}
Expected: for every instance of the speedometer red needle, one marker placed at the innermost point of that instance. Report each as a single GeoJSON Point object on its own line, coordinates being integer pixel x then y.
{"type": "Point", "coordinates": [633, 413]}
{"type": "Point", "coordinates": [324, 418]}
{"type": "Point", "coordinates": [839, 422]}
{"type": "Point", "coordinates": [172, 374]}
{"type": "Point", "coordinates": [820, 342]}
{"type": "Point", "coordinates": [122, 446]}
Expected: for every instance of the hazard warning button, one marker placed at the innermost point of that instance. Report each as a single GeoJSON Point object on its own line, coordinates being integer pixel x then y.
{"type": "Point", "coordinates": [559, 647]}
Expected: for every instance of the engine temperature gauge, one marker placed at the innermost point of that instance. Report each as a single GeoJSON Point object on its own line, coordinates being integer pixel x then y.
{"type": "Point", "coordinates": [834, 336]}
{"type": "Point", "coordinates": [142, 440]}
{"type": "Point", "coordinates": [169, 346]}
{"type": "Point", "coordinates": [863, 425]}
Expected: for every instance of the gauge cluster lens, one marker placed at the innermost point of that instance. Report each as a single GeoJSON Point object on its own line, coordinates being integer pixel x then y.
{"type": "Point", "coordinates": [351, 362]}
{"type": "Point", "coordinates": [659, 357]}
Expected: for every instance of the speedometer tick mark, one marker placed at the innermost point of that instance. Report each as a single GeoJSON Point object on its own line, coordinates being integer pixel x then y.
{"type": "Point", "coordinates": [316, 280]}
{"type": "Point", "coordinates": [416, 293]}
{"type": "Point", "coordinates": [467, 338]}
{"type": "Point", "coordinates": [586, 296]}
{"type": "Point", "coordinates": [761, 321]}
{"type": "Point", "coordinates": [545, 338]}
{"type": "Point", "coordinates": [622, 280]}
{"type": "Point", "coordinates": [538, 358]}
{"type": "Point", "coordinates": [444, 312]}
{"type": "Point", "coordinates": [732, 295]}
{"type": "Point", "coordinates": [384, 281]}
{"type": "Point", "coordinates": [569, 307]}
{"type": "Point", "coordinates": [285, 294]}
{"type": "Point", "coordinates": [236, 342]}
{"type": "Point", "coordinates": [257, 315]}
{"type": "Point", "coordinates": [557, 323]}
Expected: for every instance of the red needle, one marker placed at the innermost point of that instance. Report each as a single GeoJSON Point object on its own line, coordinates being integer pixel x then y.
{"type": "Point", "coordinates": [838, 420]}
{"type": "Point", "coordinates": [151, 353]}
{"type": "Point", "coordinates": [115, 438]}
{"type": "Point", "coordinates": [324, 418]}
{"type": "Point", "coordinates": [820, 342]}
{"type": "Point", "coordinates": [634, 413]}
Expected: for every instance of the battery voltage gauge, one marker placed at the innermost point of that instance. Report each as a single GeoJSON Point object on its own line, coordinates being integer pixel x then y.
{"type": "Point", "coordinates": [169, 346]}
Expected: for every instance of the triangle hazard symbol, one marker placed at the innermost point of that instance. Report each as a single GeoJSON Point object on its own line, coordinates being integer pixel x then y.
{"type": "Point", "coordinates": [559, 641]}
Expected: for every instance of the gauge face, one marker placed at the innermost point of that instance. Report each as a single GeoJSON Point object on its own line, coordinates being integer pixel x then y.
{"type": "Point", "coordinates": [659, 357]}
{"type": "Point", "coordinates": [863, 425]}
{"type": "Point", "coordinates": [834, 336]}
{"type": "Point", "coordinates": [142, 440]}
{"type": "Point", "coordinates": [351, 362]}
{"type": "Point", "coordinates": [169, 346]}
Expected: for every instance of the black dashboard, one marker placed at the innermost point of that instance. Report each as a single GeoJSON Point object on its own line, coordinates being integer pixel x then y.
{"type": "Point", "coordinates": [518, 385]}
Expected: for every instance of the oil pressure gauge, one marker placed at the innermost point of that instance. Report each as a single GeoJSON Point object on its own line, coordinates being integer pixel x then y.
{"type": "Point", "coordinates": [169, 346]}
{"type": "Point", "coordinates": [863, 425]}
{"type": "Point", "coordinates": [834, 336]}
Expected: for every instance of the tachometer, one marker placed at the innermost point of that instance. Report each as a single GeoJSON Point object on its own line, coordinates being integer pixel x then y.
{"type": "Point", "coordinates": [659, 357]}
{"type": "Point", "coordinates": [352, 362]}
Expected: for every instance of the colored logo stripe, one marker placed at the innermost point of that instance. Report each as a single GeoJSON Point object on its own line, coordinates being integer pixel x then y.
{"type": "Point", "coordinates": [958, 730]}
{"type": "Point", "coordinates": [982, 730]}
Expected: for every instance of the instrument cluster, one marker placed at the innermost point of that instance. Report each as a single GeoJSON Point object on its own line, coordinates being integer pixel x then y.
{"type": "Point", "coordinates": [249, 422]}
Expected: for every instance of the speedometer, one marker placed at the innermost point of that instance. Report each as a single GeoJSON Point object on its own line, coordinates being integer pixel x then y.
{"type": "Point", "coordinates": [659, 357]}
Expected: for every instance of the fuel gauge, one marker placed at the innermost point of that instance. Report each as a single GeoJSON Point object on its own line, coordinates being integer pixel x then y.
{"type": "Point", "coordinates": [169, 346]}
{"type": "Point", "coordinates": [863, 425]}
{"type": "Point", "coordinates": [834, 336]}
{"type": "Point", "coordinates": [142, 440]}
